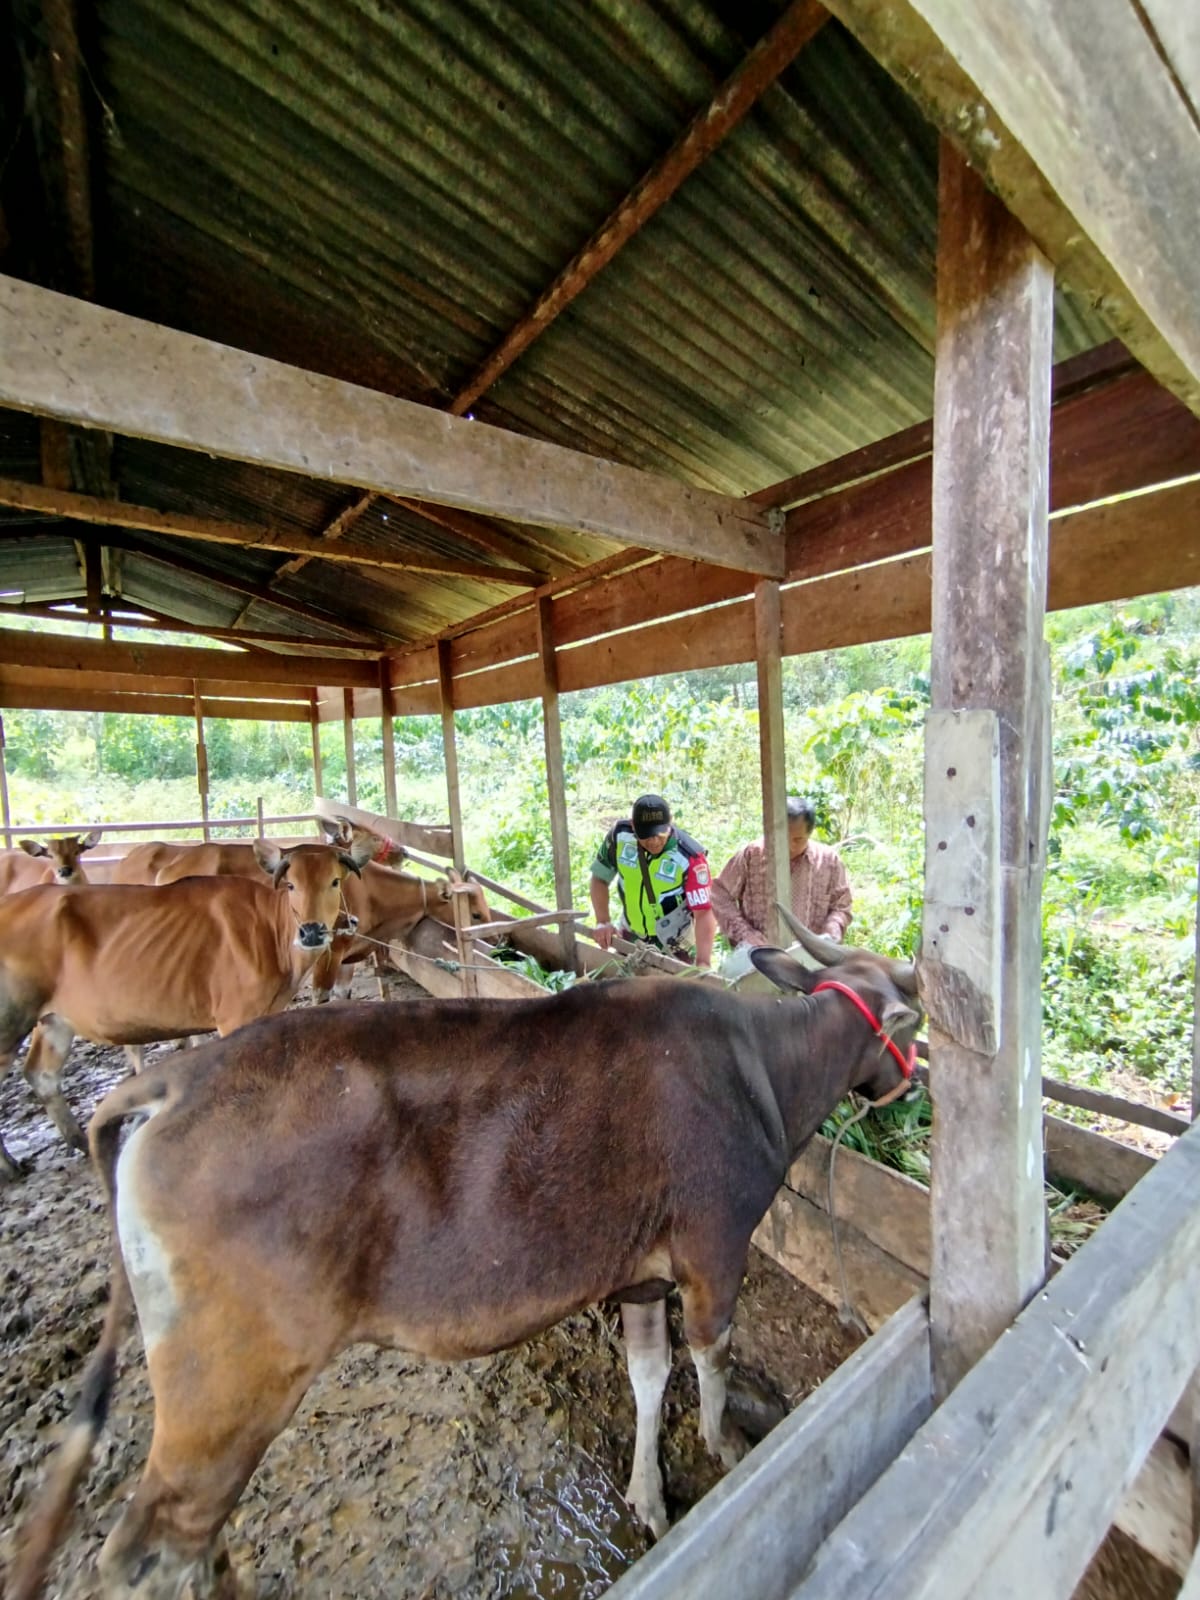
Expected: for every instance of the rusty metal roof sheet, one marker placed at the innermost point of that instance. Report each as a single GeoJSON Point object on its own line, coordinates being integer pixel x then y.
{"type": "Point", "coordinates": [381, 191]}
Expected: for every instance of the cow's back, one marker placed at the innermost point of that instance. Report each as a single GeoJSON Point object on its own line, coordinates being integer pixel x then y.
{"type": "Point", "coordinates": [130, 964]}
{"type": "Point", "coordinates": [157, 862]}
{"type": "Point", "coordinates": [18, 871]}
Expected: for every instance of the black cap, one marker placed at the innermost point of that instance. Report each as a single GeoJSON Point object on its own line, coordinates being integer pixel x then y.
{"type": "Point", "coordinates": [651, 815]}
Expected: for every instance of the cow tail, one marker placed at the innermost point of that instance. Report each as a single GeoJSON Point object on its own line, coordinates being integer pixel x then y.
{"type": "Point", "coordinates": [54, 1503]}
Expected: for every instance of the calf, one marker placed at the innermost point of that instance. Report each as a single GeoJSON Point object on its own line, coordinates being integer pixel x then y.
{"type": "Point", "coordinates": [450, 1178]}
{"type": "Point", "coordinates": [129, 965]}
{"type": "Point", "coordinates": [55, 861]}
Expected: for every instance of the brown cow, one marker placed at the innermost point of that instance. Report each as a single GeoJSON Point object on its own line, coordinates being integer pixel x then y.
{"type": "Point", "coordinates": [450, 1178]}
{"type": "Point", "coordinates": [160, 862]}
{"type": "Point", "coordinates": [130, 965]}
{"type": "Point", "coordinates": [55, 861]}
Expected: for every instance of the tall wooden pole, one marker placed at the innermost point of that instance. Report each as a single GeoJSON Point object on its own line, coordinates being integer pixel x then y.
{"type": "Point", "coordinates": [201, 760]}
{"type": "Point", "coordinates": [348, 735]}
{"type": "Point", "coordinates": [560, 838]}
{"type": "Point", "coordinates": [987, 778]}
{"type": "Point", "coordinates": [1194, 1388]}
{"type": "Point", "coordinates": [768, 646]}
{"type": "Point", "coordinates": [446, 691]}
{"type": "Point", "coordinates": [387, 712]}
{"type": "Point", "coordinates": [4, 811]}
{"type": "Point", "coordinates": [314, 720]}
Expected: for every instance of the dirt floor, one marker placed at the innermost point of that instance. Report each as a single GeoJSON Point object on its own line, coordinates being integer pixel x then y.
{"type": "Point", "coordinates": [399, 1478]}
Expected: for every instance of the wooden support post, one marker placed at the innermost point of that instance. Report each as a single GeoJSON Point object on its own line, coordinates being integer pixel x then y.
{"type": "Point", "coordinates": [446, 694]}
{"type": "Point", "coordinates": [768, 649]}
{"type": "Point", "coordinates": [464, 937]}
{"type": "Point", "coordinates": [348, 733]}
{"type": "Point", "coordinates": [4, 810]}
{"type": "Point", "coordinates": [387, 713]}
{"type": "Point", "coordinates": [262, 832]}
{"type": "Point", "coordinates": [1194, 1387]}
{"type": "Point", "coordinates": [201, 759]}
{"type": "Point", "coordinates": [314, 719]}
{"type": "Point", "coordinates": [981, 958]}
{"type": "Point", "coordinates": [560, 837]}
{"type": "Point", "coordinates": [93, 580]}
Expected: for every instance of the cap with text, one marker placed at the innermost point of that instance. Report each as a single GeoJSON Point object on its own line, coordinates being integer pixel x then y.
{"type": "Point", "coordinates": [651, 815]}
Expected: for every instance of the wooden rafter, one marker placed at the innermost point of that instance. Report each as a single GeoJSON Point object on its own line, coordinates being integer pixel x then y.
{"type": "Point", "coordinates": [103, 369]}
{"type": "Point", "coordinates": [92, 657]}
{"type": "Point", "coordinates": [120, 514]}
{"type": "Point", "coordinates": [333, 530]}
{"type": "Point", "coordinates": [775, 51]}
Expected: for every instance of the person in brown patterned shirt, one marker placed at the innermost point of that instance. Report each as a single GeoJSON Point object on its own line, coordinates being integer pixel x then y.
{"type": "Point", "coordinates": [820, 887]}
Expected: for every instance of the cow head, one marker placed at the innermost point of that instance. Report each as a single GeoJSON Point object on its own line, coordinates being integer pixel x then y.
{"type": "Point", "coordinates": [313, 875]}
{"type": "Point", "coordinates": [63, 854]}
{"type": "Point", "coordinates": [881, 1027]}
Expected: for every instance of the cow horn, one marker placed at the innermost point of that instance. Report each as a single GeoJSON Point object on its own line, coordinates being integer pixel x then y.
{"type": "Point", "coordinates": [821, 949]}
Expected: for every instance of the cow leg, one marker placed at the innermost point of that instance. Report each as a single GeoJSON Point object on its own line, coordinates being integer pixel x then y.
{"type": "Point", "coordinates": [708, 1325]}
{"type": "Point", "coordinates": [325, 975]}
{"type": "Point", "coordinates": [48, 1049]}
{"type": "Point", "coordinates": [648, 1353]}
{"type": "Point", "coordinates": [135, 1054]}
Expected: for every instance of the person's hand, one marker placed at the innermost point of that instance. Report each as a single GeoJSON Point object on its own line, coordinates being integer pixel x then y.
{"type": "Point", "coordinates": [605, 934]}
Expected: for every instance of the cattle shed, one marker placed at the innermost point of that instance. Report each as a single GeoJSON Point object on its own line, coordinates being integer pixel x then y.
{"type": "Point", "coordinates": [441, 357]}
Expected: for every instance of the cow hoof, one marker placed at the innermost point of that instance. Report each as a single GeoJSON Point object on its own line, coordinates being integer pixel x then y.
{"type": "Point", "coordinates": [320, 997]}
{"type": "Point", "coordinates": [733, 1446]}
{"type": "Point", "coordinates": [654, 1516]}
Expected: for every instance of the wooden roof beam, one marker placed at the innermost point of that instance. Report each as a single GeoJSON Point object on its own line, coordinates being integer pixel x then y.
{"type": "Point", "coordinates": [1079, 119]}
{"type": "Point", "coordinates": [769, 57]}
{"type": "Point", "coordinates": [160, 622]}
{"type": "Point", "coordinates": [120, 514]}
{"type": "Point", "coordinates": [101, 369]}
{"type": "Point", "coordinates": [62, 654]}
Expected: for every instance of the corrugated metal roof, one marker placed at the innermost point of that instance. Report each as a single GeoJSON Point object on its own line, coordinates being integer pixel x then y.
{"type": "Point", "coordinates": [381, 190]}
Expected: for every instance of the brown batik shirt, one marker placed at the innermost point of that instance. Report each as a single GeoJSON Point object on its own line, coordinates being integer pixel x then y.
{"type": "Point", "coordinates": [820, 893]}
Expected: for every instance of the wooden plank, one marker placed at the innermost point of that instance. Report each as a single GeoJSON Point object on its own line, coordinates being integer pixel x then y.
{"type": "Point", "coordinates": [154, 705]}
{"type": "Point", "coordinates": [1157, 1509]}
{"type": "Point", "coordinates": [1078, 1157]}
{"type": "Point", "coordinates": [1111, 1105]}
{"type": "Point", "coordinates": [888, 1209]}
{"type": "Point", "coordinates": [755, 1532]}
{"type": "Point", "coordinates": [796, 1234]}
{"type": "Point", "coordinates": [102, 369]}
{"type": "Point", "coordinates": [315, 723]}
{"type": "Point", "coordinates": [87, 656]}
{"type": "Point", "coordinates": [387, 712]}
{"type": "Point", "coordinates": [772, 756]}
{"type": "Point", "coordinates": [5, 810]}
{"type": "Point", "coordinates": [148, 683]}
{"type": "Point", "coordinates": [156, 620]}
{"type": "Point", "coordinates": [990, 537]}
{"type": "Point", "coordinates": [420, 835]}
{"type": "Point", "coordinates": [1130, 434]}
{"type": "Point", "coordinates": [245, 535]}
{"type": "Point", "coordinates": [556, 783]}
{"type": "Point", "coordinates": [1178, 40]}
{"type": "Point", "coordinates": [348, 744]}
{"type": "Point", "coordinates": [1030, 92]}
{"type": "Point", "coordinates": [1015, 1479]}
{"type": "Point", "coordinates": [450, 748]}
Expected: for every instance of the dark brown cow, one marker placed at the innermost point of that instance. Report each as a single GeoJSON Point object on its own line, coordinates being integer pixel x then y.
{"type": "Point", "coordinates": [129, 965]}
{"type": "Point", "coordinates": [54, 861]}
{"type": "Point", "coordinates": [445, 1177]}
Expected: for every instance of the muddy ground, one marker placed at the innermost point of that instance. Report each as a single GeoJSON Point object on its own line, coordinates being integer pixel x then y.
{"type": "Point", "coordinates": [398, 1478]}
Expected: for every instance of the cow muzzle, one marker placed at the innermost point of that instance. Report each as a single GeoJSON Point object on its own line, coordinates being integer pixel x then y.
{"type": "Point", "coordinates": [312, 936]}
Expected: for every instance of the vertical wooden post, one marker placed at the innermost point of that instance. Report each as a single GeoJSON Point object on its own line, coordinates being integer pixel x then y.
{"type": "Point", "coordinates": [201, 760]}
{"type": "Point", "coordinates": [387, 712]}
{"type": "Point", "coordinates": [262, 832]}
{"type": "Point", "coordinates": [93, 580]}
{"type": "Point", "coordinates": [768, 649]}
{"type": "Point", "coordinates": [4, 810]}
{"type": "Point", "coordinates": [348, 734]}
{"type": "Point", "coordinates": [464, 934]}
{"type": "Point", "coordinates": [314, 722]}
{"type": "Point", "coordinates": [446, 689]}
{"type": "Point", "coordinates": [981, 957]}
{"type": "Point", "coordinates": [1194, 1388]}
{"type": "Point", "coordinates": [560, 838]}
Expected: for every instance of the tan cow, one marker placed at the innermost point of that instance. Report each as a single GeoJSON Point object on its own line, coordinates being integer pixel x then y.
{"type": "Point", "coordinates": [450, 1178]}
{"type": "Point", "coordinates": [54, 861]}
{"type": "Point", "coordinates": [160, 862]}
{"type": "Point", "coordinates": [130, 965]}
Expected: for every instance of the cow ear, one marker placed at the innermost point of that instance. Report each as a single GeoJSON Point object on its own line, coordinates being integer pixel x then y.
{"type": "Point", "coordinates": [90, 839]}
{"type": "Point", "coordinates": [896, 1016]}
{"type": "Point", "coordinates": [32, 847]}
{"type": "Point", "coordinates": [784, 971]}
{"type": "Point", "coordinates": [269, 857]}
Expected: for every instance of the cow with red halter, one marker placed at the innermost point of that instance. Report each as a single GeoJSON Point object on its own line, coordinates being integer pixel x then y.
{"type": "Point", "coordinates": [449, 1178]}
